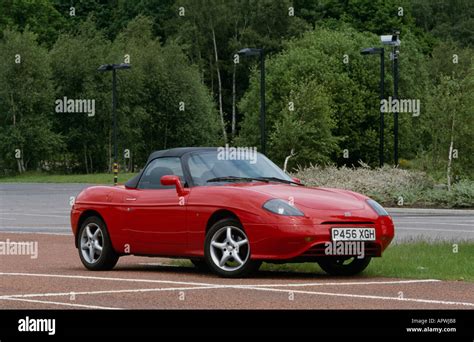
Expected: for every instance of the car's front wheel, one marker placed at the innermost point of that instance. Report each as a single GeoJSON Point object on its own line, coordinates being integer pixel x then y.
{"type": "Point", "coordinates": [344, 266]}
{"type": "Point", "coordinates": [227, 250]}
{"type": "Point", "coordinates": [95, 249]}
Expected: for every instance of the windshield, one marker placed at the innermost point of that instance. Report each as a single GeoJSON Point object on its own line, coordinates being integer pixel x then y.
{"type": "Point", "coordinates": [205, 166]}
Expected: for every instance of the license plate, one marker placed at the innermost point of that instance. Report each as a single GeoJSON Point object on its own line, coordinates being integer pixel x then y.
{"type": "Point", "coordinates": [353, 234]}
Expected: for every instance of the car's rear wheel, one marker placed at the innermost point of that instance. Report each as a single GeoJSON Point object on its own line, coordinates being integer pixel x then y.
{"type": "Point", "coordinates": [227, 250]}
{"type": "Point", "coordinates": [95, 249]}
{"type": "Point", "coordinates": [344, 266]}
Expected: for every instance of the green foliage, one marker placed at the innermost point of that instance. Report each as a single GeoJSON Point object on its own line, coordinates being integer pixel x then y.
{"type": "Point", "coordinates": [446, 19]}
{"type": "Point", "coordinates": [75, 77]}
{"type": "Point", "coordinates": [149, 97]}
{"type": "Point", "coordinates": [309, 125]}
{"type": "Point", "coordinates": [411, 259]}
{"type": "Point", "coordinates": [38, 16]}
{"type": "Point", "coordinates": [26, 98]}
{"type": "Point", "coordinates": [50, 177]}
{"type": "Point", "coordinates": [350, 103]}
{"type": "Point", "coordinates": [161, 81]}
{"type": "Point", "coordinates": [174, 60]}
{"type": "Point", "coordinates": [448, 111]}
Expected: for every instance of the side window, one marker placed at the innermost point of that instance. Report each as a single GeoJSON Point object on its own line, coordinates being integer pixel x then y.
{"type": "Point", "coordinates": [151, 178]}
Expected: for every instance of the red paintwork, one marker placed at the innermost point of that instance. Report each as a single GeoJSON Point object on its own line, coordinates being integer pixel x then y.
{"type": "Point", "coordinates": [163, 223]}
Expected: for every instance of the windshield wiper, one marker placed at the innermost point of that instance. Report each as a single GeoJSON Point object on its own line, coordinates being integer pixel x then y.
{"type": "Point", "coordinates": [280, 180]}
{"type": "Point", "coordinates": [236, 179]}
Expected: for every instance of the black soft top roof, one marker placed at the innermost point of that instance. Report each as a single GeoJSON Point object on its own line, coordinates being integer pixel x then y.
{"type": "Point", "coordinates": [178, 152]}
{"type": "Point", "coordinates": [173, 152]}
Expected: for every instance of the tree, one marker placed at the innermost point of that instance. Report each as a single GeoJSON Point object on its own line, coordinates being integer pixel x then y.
{"type": "Point", "coordinates": [449, 108]}
{"type": "Point", "coordinates": [162, 102]}
{"type": "Point", "coordinates": [213, 31]}
{"type": "Point", "coordinates": [26, 103]}
{"type": "Point", "coordinates": [74, 60]}
{"type": "Point", "coordinates": [330, 59]}
{"type": "Point", "coordinates": [39, 16]}
{"type": "Point", "coordinates": [174, 108]}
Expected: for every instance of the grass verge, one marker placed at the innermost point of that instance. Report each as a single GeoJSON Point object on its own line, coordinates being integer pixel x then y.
{"type": "Point", "coordinates": [93, 178]}
{"type": "Point", "coordinates": [413, 260]}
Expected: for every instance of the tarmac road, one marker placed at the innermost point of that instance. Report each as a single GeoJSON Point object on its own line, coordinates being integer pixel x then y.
{"type": "Point", "coordinates": [57, 279]}
{"type": "Point", "coordinates": [45, 208]}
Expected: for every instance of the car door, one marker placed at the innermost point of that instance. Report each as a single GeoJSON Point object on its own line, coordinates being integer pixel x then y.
{"type": "Point", "coordinates": [156, 215]}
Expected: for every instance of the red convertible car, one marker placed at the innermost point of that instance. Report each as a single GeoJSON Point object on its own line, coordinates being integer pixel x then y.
{"type": "Point", "coordinates": [227, 215]}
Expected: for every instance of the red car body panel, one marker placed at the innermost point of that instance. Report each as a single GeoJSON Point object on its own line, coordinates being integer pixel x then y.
{"type": "Point", "coordinates": [161, 223]}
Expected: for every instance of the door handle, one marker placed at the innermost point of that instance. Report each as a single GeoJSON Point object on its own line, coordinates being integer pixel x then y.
{"type": "Point", "coordinates": [130, 199]}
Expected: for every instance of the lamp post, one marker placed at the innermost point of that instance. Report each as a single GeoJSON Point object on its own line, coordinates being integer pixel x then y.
{"type": "Point", "coordinates": [113, 68]}
{"type": "Point", "coordinates": [393, 40]}
{"type": "Point", "coordinates": [381, 52]}
{"type": "Point", "coordinates": [247, 52]}
{"type": "Point", "coordinates": [395, 96]}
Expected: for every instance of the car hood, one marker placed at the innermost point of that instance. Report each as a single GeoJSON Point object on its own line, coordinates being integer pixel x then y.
{"type": "Point", "coordinates": [312, 197]}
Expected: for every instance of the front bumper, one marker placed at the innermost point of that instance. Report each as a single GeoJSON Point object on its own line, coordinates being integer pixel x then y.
{"type": "Point", "coordinates": [288, 241]}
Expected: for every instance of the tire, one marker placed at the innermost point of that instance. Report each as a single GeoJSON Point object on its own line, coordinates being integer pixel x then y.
{"type": "Point", "coordinates": [344, 267]}
{"type": "Point", "coordinates": [227, 250]}
{"type": "Point", "coordinates": [200, 265]}
{"type": "Point", "coordinates": [93, 234]}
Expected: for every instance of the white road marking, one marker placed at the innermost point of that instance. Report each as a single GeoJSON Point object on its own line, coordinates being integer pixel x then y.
{"type": "Point", "coordinates": [159, 264]}
{"type": "Point", "coordinates": [41, 215]}
{"type": "Point", "coordinates": [241, 287]}
{"type": "Point", "coordinates": [350, 295]}
{"type": "Point", "coordinates": [78, 293]}
{"type": "Point", "coordinates": [216, 286]}
{"type": "Point", "coordinates": [395, 282]}
{"type": "Point", "coordinates": [436, 230]}
{"type": "Point", "coordinates": [440, 224]}
{"type": "Point", "coordinates": [136, 280]}
{"type": "Point", "coordinates": [39, 211]}
{"type": "Point", "coordinates": [210, 284]}
{"type": "Point", "coordinates": [27, 232]}
{"type": "Point", "coordinates": [266, 287]}
{"type": "Point", "coordinates": [63, 304]}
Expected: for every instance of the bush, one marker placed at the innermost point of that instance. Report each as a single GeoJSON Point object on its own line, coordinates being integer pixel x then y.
{"type": "Point", "coordinates": [387, 184]}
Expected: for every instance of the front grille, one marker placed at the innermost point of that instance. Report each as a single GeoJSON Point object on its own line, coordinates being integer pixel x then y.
{"type": "Point", "coordinates": [344, 223]}
{"type": "Point", "coordinates": [372, 249]}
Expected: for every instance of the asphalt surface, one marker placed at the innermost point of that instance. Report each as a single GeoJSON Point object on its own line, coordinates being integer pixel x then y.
{"type": "Point", "coordinates": [56, 279]}
{"type": "Point", "coordinates": [45, 208]}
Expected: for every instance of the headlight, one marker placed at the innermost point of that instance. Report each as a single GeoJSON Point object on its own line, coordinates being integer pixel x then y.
{"type": "Point", "coordinates": [377, 207]}
{"type": "Point", "coordinates": [281, 207]}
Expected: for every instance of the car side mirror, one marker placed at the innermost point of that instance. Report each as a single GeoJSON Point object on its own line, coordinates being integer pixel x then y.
{"type": "Point", "coordinates": [174, 180]}
{"type": "Point", "coordinates": [296, 180]}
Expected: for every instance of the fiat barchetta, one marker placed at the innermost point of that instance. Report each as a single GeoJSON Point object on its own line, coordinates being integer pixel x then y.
{"type": "Point", "coordinates": [227, 215]}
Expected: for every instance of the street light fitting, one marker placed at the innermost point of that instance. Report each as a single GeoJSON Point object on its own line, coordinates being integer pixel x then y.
{"type": "Point", "coordinates": [109, 67]}
{"type": "Point", "coordinates": [390, 39]}
{"type": "Point", "coordinates": [371, 51]}
{"type": "Point", "coordinates": [250, 52]}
